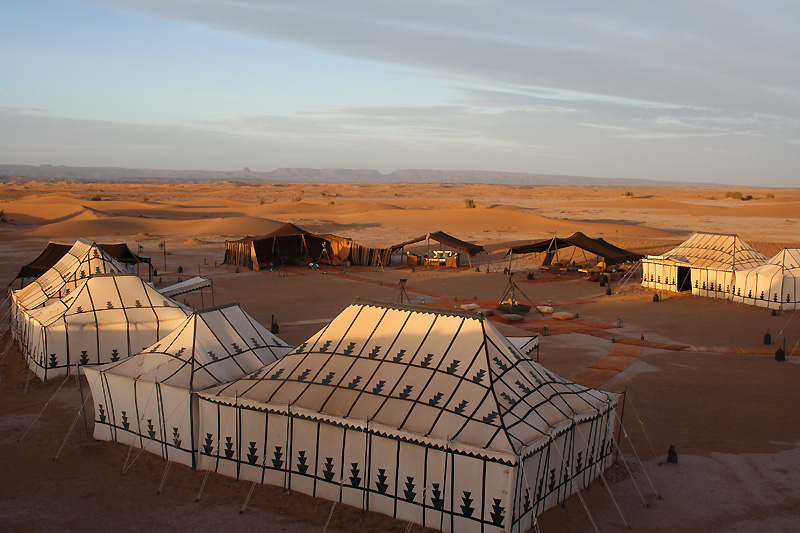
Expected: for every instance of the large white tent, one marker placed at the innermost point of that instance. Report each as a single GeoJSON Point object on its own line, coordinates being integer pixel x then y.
{"type": "Point", "coordinates": [108, 317]}
{"type": "Point", "coordinates": [705, 264]}
{"type": "Point", "coordinates": [425, 415]}
{"type": "Point", "coordinates": [775, 284]}
{"type": "Point", "coordinates": [147, 400]}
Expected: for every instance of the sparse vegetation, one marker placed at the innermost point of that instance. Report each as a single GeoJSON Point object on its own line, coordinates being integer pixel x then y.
{"type": "Point", "coordinates": [95, 197]}
{"type": "Point", "coordinates": [259, 201]}
{"type": "Point", "coordinates": [628, 194]}
{"type": "Point", "coordinates": [3, 215]}
{"type": "Point", "coordinates": [769, 195]}
{"type": "Point", "coordinates": [736, 195]}
{"type": "Point", "coordinates": [145, 198]}
{"type": "Point", "coordinates": [469, 203]}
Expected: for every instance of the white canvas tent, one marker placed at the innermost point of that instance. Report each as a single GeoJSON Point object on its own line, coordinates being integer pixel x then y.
{"type": "Point", "coordinates": [425, 415]}
{"type": "Point", "coordinates": [705, 264]}
{"type": "Point", "coordinates": [106, 318]}
{"type": "Point", "coordinates": [775, 285]}
{"type": "Point", "coordinates": [81, 261]}
{"type": "Point", "coordinates": [147, 400]}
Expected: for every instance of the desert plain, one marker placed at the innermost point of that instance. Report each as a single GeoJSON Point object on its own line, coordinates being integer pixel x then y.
{"type": "Point", "coordinates": [701, 378]}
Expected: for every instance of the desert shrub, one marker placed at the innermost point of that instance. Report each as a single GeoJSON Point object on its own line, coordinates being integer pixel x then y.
{"type": "Point", "coordinates": [748, 197]}
{"type": "Point", "coordinates": [297, 198]}
{"type": "Point", "coordinates": [469, 203]}
{"type": "Point", "coordinates": [145, 198]}
{"type": "Point", "coordinates": [736, 195]}
{"type": "Point", "coordinates": [3, 215]}
{"type": "Point", "coordinates": [259, 201]}
{"type": "Point", "coordinates": [628, 194]}
{"type": "Point", "coordinates": [770, 195]}
{"type": "Point", "coordinates": [95, 198]}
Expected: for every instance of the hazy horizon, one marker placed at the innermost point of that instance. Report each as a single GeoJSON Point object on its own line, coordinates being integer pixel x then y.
{"type": "Point", "coordinates": [697, 93]}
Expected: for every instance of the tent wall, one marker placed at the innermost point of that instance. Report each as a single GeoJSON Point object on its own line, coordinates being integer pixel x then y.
{"type": "Point", "coordinates": [435, 487]}
{"type": "Point", "coordinates": [712, 282]}
{"type": "Point", "coordinates": [240, 254]}
{"type": "Point", "coordinates": [775, 285]}
{"type": "Point", "coordinates": [144, 414]}
{"type": "Point", "coordinates": [660, 274]}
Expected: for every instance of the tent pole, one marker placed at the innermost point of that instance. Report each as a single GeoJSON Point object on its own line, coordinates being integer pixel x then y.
{"type": "Point", "coordinates": [83, 402]}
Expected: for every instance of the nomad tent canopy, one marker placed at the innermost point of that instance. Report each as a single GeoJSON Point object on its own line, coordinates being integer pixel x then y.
{"type": "Point", "coordinates": [705, 263]}
{"type": "Point", "coordinates": [445, 240]}
{"type": "Point", "coordinates": [106, 318]}
{"type": "Point", "coordinates": [147, 400]}
{"type": "Point", "coordinates": [425, 415]}
{"type": "Point", "coordinates": [289, 243]}
{"type": "Point", "coordinates": [775, 284]}
{"type": "Point", "coordinates": [611, 255]}
{"type": "Point", "coordinates": [55, 251]}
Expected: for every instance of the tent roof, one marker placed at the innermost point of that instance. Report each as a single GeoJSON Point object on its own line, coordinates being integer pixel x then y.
{"type": "Point", "coordinates": [83, 259]}
{"type": "Point", "coordinates": [115, 298]}
{"type": "Point", "coordinates": [611, 254]}
{"type": "Point", "coordinates": [447, 240]}
{"type": "Point", "coordinates": [55, 251]}
{"type": "Point", "coordinates": [212, 346]}
{"type": "Point", "coordinates": [284, 230]}
{"type": "Point", "coordinates": [715, 250]}
{"type": "Point", "coordinates": [785, 262]}
{"type": "Point", "coordinates": [447, 378]}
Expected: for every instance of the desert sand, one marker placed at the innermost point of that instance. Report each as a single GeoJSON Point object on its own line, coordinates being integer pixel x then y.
{"type": "Point", "coordinates": [696, 371]}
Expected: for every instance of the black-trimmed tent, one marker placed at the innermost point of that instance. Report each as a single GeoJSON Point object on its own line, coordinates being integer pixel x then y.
{"type": "Point", "coordinates": [448, 241]}
{"type": "Point", "coordinates": [775, 284]}
{"type": "Point", "coordinates": [148, 400]}
{"type": "Point", "coordinates": [54, 251]}
{"type": "Point", "coordinates": [108, 317]}
{"type": "Point", "coordinates": [425, 415]}
{"type": "Point", "coordinates": [290, 243]}
{"type": "Point", "coordinates": [706, 264]}
{"type": "Point", "coordinates": [602, 249]}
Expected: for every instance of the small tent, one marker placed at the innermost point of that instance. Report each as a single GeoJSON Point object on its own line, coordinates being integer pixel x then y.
{"type": "Point", "coordinates": [147, 400]}
{"type": "Point", "coordinates": [705, 264]}
{"type": "Point", "coordinates": [106, 318]}
{"type": "Point", "coordinates": [775, 285]}
{"type": "Point", "coordinates": [425, 415]}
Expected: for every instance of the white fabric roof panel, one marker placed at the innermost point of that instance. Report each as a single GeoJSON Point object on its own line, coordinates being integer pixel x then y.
{"type": "Point", "coordinates": [443, 375]}
{"type": "Point", "coordinates": [210, 347]}
{"type": "Point", "coordinates": [81, 261]}
{"type": "Point", "coordinates": [715, 251]}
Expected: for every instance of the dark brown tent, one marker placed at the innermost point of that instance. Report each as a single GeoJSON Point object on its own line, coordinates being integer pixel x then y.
{"type": "Point", "coordinates": [446, 240]}
{"type": "Point", "coordinates": [55, 251]}
{"type": "Point", "coordinates": [611, 255]}
{"type": "Point", "coordinates": [292, 244]}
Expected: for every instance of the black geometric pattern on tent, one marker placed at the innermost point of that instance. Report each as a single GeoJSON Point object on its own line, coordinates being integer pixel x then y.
{"type": "Point", "coordinates": [518, 401]}
{"type": "Point", "coordinates": [553, 482]}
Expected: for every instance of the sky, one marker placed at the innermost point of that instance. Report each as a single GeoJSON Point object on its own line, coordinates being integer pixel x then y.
{"type": "Point", "coordinates": [701, 91]}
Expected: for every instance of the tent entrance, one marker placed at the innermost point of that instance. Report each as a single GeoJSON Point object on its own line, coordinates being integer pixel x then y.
{"type": "Point", "coordinates": [684, 279]}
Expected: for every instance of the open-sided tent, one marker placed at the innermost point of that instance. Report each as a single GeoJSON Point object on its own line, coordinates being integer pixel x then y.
{"type": "Point", "coordinates": [610, 254]}
{"type": "Point", "coordinates": [425, 415]}
{"type": "Point", "coordinates": [54, 251]}
{"type": "Point", "coordinates": [705, 263]}
{"type": "Point", "coordinates": [775, 284]}
{"type": "Point", "coordinates": [447, 241]}
{"type": "Point", "coordinates": [106, 318]}
{"type": "Point", "coordinates": [147, 400]}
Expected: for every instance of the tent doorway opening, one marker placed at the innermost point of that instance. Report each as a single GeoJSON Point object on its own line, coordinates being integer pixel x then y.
{"type": "Point", "coordinates": [684, 279]}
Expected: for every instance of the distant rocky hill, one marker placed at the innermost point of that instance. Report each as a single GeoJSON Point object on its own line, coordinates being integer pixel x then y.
{"type": "Point", "coordinates": [311, 175]}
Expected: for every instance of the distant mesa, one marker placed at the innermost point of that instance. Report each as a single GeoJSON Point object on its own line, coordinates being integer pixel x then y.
{"type": "Point", "coordinates": [313, 175]}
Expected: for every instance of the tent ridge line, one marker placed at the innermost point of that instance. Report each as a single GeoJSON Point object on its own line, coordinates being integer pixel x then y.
{"type": "Point", "coordinates": [417, 308]}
